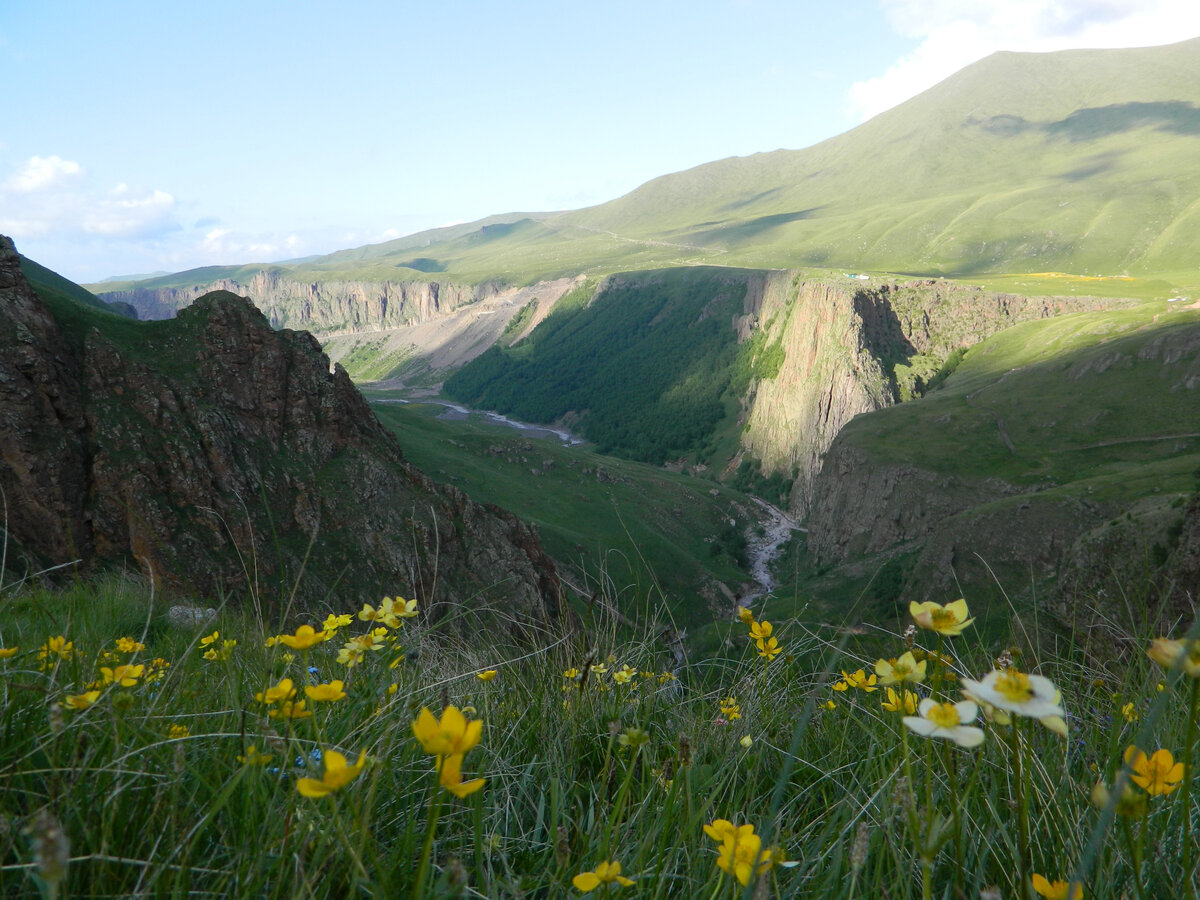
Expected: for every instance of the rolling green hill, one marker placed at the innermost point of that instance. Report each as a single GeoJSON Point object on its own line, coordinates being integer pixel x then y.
{"type": "Point", "coordinates": [1085, 162]}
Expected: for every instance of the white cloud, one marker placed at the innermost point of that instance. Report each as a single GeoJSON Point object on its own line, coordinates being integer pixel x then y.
{"type": "Point", "coordinates": [42, 172]}
{"type": "Point", "coordinates": [52, 197]}
{"type": "Point", "coordinates": [955, 33]}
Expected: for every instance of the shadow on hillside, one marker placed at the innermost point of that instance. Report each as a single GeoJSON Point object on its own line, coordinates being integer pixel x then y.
{"type": "Point", "coordinates": [422, 264]}
{"type": "Point", "coordinates": [752, 229]}
{"type": "Point", "coordinates": [1172, 116]}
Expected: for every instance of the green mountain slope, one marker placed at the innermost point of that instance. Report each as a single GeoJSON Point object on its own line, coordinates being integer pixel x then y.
{"type": "Point", "coordinates": [1078, 161]}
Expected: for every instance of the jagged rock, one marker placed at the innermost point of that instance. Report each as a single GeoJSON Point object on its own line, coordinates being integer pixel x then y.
{"type": "Point", "coordinates": [225, 456]}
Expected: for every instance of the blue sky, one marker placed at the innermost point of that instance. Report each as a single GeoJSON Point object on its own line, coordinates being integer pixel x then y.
{"type": "Point", "coordinates": [143, 136]}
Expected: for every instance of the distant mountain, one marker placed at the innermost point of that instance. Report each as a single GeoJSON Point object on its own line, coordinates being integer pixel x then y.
{"type": "Point", "coordinates": [1083, 161]}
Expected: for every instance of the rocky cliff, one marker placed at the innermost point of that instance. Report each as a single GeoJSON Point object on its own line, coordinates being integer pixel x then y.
{"type": "Point", "coordinates": [322, 307]}
{"type": "Point", "coordinates": [225, 456]}
{"type": "Point", "coordinates": [852, 347]}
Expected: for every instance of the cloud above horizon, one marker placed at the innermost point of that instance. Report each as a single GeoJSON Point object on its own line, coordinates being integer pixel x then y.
{"type": "Point", "coordinates": [956, 33]}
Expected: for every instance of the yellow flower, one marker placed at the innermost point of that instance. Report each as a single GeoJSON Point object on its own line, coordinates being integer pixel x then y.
{"type": "Point", "coordinates": [254, 758]}
{"type": "Point", "coordinates": [337, 775]}
{"type": "Point", "coordinates": [861, 680]}
{"type": "Point", "coordinates": [841, 686]}
{"type": "Point", "coordinates": [633, 737]}
{"type": "Point", "coordinates": [224, 653]}
{"type": "Point", "coordinates": [350, 655]}
{"type": "Point", "coordinates": [605, 873]}
{"type": "Point", "coordinates": [81, 701]}
{"type": "Point", "coordinates": [450, 776]}
{"type": "Point", "coordinates": [384, 615]}
{"type": "Point", "coordinates": [1158, 774]}
{"type": "Point", "coordinates": [178, 731]}
{"type": "Point", "coordinates": [8, 652]}
{"type": "Point", "coordinates": [904, 669]}
{"type": "Point", "coordinates": [1130, 803]}
{"type": "Point", "coordinates": [745, 615]}
{"type": "Point", "coordinates": [760, 631]}
{"type": "Point", "coordinates": [333, 622]}
{"type": "Point", "coordinates": [828, 704]}
{"type": "Point", "coordinates": [55, 646]}
{"type": "Point", "coordinates": [129, 645]}
{"type": "Point", "coordinates": [306, 636]}
{"type": "Point", "coordinates": [740, 853]}
{"type": "Point", "coordinates": [1130, 712]}
{"type": "Point", "coordinates": [1185, 654]}
{"type": "Point", "coordinates": [1058, 890]}
{"type": "Point", "coordinates": [746, 741]}
{"type": "Point", "coordinates": [325, 692]}
{"type": "Point", "coordinates": [945, 720]}
{"type": "Point", "coordinates": [282, 691]}
{"type": "Point", "coordinates": [599, 668]}
{"type": "Point", "coordinates": [405, 609]}
{"type": "Point", "coordinates": [127, 676]}
{"type": "Point", "coordinates": [624, 675]}
{"type": "Point", "coordinates": [571, 674]}
{"type": "Point", "coordinates": [487, 675]}
{"type": "Point", "coordinates": [290, 709]}
{"type": "Point", "coordinates": [209, 638]}
{"type": "Point", "coordinates": [730, 709]}
{"type": "Point", "coordinates": [949, 620]}
{"type": "Point", "coordinates": [452, 734]}
{"type": "Point", "coordinates": [769, 649]}
{"type": "Point", "coordinates": [906, 701]}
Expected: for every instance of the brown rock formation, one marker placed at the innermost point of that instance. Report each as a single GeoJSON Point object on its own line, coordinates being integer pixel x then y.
{"type": "Point", "coordinates": [225, 456]}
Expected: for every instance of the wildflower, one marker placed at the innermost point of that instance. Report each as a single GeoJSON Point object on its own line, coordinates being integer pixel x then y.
{"type": "Point", "coordinates": [571, 674]}
{"type": "Point", "coordinates": [337, 775]}
{"type": "Point", "coordinates": [129, 645]}
{"type": "Point", "coordinates": [452, 734]}
{"type": "Point", "coordinates": [747, 742]}
{"type": "Point", "coordinates": [56, 646]}
{"type": "Point", "coordinates": [333, 622]}
{"type": "Point", "coordinates": [664, 677]}
{"type": "Point", "coordinates": [745, 615]}
{"type": "Point", "coordinates": [282, 691]}
{"type": "Point", "coordinates": [405, 609]}
{"type": "Point", "coordinates": [599, 668]}
{"type": "Point", "coordinates": [861, 680]}
{"type": "Point", "coordinates": [209, 638]}
{"type": "Point", "coordinates": [1010, 689]}
{"type": "Point", "coordinates": [946, 720]}
{"type": "Point", "coordinates": [450, 776]}
{"type": "Point", "coordinates": [904, 701]}
{"type": "Point", "coordinates": [226, 651]}
{"type": "Point", "coordinates": [633, 737]}
{"type": "Point", "coordinates": [828, 704]}
{"type": "Point", "coordinates": [841, 686]}
{"type": "Point", "coordinates": [730, 709]}
{"type": "Point", "coordinates": [306, 636]}
{"type": "Point", "coordinates": [325, 692]}
{"type": "Point", "coordinates": [80, 701]}
{"type": "Point", "coordinates": [1158, 774]}
{"type": "Point", "coordinates": [486, 675]}
{"type": "Point", "coordinates": [1185, 654]}
{"type": "Point", "coordinates": [8, 652]}
{"type": "Point", "coordinates": [1058, 890]}
{"type": "Point", "coordinates": [1130, 712]}
{"type": "Point", "coordinates": [392, 688]}
{"type": "Point", "coordinates": [760, 631]}
{"type": "Point", "coordinates": [949, 620]}
{"type": "Point", "coordinates": [768, 649]}
{"type": "Point", "coordinates": [178, 731]}
{"type": "Point", "coordinates": [740, 853]}
{"type": "Point", "coordinates": [253, 758]}
{"type": "Point", "coordinates": [624, 675]}
{"type": "Point", "coordinates": [605, 873]}
{"type": "Point", "coordinates": [290, 709]}
{"type": "Point", "coordinates": [904, 669]}
{"type": "Point", "coordinates": [350, 655]}
{"type": "Point", "coordinates": [1130, 803]}
{"type": "Point", "coordinates": [126, 676]}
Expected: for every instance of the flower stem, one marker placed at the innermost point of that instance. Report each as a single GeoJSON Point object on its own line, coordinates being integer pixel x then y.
{"type": "Point", "coordinates": [435, 807]}
{"type": "Point", "coordinates": [1185, 798]}
{"type": "Point", "coordinates": [1135, 858]}
{"type": "Point", "coordinates": [1022, 811]}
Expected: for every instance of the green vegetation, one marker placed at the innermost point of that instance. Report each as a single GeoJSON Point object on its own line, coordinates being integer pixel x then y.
{"type": "Point", "coordinates": [647, 370]}
{"type": "Point", "coordinates": [608, 522]}
{"type": "Point", "coordinates": [144, 754]}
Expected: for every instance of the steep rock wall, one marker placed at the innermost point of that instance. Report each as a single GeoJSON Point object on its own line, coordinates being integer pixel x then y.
{"type": "Point", "coordinates": [224, 456]}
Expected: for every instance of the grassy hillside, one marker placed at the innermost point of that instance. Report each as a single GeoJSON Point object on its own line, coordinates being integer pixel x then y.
{"type": "Point", "coordinates": [655, 541]}
{"type": "Point", "coordinates": [1083, 162]}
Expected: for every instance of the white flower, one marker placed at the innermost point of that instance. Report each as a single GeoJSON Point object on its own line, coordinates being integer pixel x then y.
{"type": "Point", "coordinates": [1026, 695]}
{"type": "Point", "coordinates": [945, 720]}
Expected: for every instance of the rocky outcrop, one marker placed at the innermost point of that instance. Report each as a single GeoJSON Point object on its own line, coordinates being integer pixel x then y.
{"type": "Point", "coordinates": [226, 457]}
{"type": "Point", "coordinates": [852, 347]}
{"type": "Point", "coordinates": [323, 307]}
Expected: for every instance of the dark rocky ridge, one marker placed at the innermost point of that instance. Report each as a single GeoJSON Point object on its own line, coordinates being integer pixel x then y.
{"type": "Point", "coordinates": [225, 456]}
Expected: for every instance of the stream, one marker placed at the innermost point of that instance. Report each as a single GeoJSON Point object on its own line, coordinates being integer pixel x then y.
{"type": "Point", "coordinates": [763, 548]}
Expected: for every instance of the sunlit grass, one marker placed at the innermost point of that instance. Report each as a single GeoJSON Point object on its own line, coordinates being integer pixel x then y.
{"type": "Point", "coordinates": [144, 758]}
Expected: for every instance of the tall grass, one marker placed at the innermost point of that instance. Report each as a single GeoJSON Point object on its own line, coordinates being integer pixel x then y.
{"type": "Point", "coordinates": [142, 793]}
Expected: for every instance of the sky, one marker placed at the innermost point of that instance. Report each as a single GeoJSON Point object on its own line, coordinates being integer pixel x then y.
{"type": "Point", "coordinates": [140, 137]}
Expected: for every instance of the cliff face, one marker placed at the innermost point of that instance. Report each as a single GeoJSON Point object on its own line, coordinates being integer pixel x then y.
{"type": "Point", "coordinates": [224, 455]}
{"type": "Point", "coordinates": [851, 348]}
{"type": "Point", "coordinates": [325, 307]}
